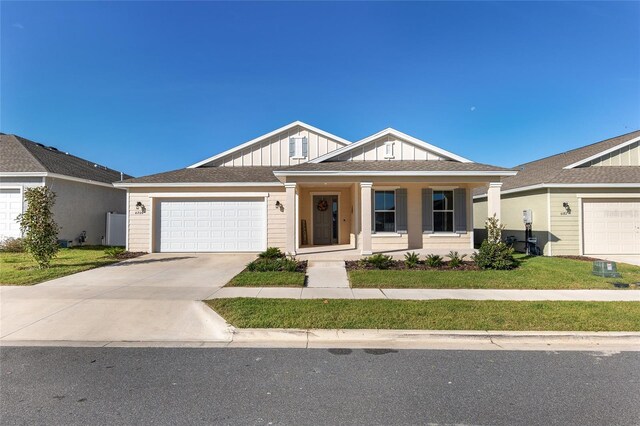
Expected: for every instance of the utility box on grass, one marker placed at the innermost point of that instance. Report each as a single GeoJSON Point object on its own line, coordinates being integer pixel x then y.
{"type": "Point", "coordinates": [604, 268]}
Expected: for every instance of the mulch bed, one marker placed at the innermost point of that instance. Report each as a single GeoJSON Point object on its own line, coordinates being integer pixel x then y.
{"type": "Point", "coordinates": [583, 258]}
{"type": "Point", "coordinates": [398, 265]}
{"type": "Point", "coordinates": [130, 255]}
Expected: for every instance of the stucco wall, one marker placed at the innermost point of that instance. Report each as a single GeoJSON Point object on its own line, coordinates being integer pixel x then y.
{"type": "Point", "coordinates": [141, 238]}
{"type": "Point", "coordinates": [83, 207]}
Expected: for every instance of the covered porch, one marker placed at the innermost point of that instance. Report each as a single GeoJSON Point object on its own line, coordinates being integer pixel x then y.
{"type": "Point", "coordinates": [336, 218]}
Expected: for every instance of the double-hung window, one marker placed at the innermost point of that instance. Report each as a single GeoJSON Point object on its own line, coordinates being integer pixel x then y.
{"type": "Point", "coordinates": [385, 211]}
{"type": "Point", "coordinates": [443, 211]}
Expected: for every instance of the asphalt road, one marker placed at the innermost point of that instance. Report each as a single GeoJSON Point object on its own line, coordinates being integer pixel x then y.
{"type": "Point", "coordinates": [92, 386]}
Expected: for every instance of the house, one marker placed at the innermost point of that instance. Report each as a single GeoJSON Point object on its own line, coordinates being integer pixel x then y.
{"type": "Point", "coordinates": [84, 190]}
{"type": "Point", "coordinates": [583, 202]}
{"type": "Point", "coordinates": [299, 187]}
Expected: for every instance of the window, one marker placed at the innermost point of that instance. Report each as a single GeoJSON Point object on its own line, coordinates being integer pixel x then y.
{"type": "Point", "coordinates": [298, 147]}
{"type": "Point", "coordinates": [443, 211]}
{"type": "Point", "coordinates": [388, 150]}
{"type": "Point", "coordinates": [385, 211]}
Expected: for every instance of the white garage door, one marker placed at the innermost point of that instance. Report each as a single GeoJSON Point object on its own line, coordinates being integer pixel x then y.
{"type": "Point", "coordinates": [10, 208]}
{"type": "Point", "coordinates": [611, 227]}
{"type": "Point", "coordinates": [212, 225]}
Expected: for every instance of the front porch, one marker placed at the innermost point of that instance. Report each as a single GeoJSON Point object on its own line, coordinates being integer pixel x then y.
{"type": "Point", "coordinates": [338, 220]}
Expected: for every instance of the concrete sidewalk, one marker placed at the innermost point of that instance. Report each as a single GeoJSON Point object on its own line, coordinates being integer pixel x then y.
{"type": "Point", "coordinates": [427, 294]}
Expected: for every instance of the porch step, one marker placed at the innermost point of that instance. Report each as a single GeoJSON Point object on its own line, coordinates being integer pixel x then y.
{"type": "Point", "coordinates": [327, 274]}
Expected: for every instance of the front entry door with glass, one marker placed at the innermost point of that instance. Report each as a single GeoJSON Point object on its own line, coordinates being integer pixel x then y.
{"type": "Point", "coordinates": [325, 220]}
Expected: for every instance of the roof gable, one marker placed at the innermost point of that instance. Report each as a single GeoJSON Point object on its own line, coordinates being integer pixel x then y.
{"type": "Point", "coordinates": [626, 154]}
{"type": "Point", "coordinates": [249, 147]}
{"type": "Point", "coordinates": [432, 152]}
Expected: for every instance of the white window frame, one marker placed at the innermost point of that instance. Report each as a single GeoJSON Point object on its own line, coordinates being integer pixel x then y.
{"type": "Point", "coordinates": [451, 210]}
{"type": "Point", "coordinates": [297, 154]}
{"type": "Point", "coordinates": [395, 222]}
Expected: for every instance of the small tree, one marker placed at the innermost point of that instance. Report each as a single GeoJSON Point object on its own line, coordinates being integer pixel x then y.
{"type": "Point", "coordinates": [493, 252]}
{"type": "Point", "coordinates": [38, 227]}
{"type": "Point", "coordinates": [494, 229]}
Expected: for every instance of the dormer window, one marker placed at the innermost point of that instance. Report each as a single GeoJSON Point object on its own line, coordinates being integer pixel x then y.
{"type": "Point", "coordinates": [388, 149]}
{"type": "Point", "coordinates": [298, 148]}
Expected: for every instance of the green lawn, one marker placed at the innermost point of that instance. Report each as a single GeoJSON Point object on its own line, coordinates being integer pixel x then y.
{"type": "Point", "coordinates": [534, 273]}
{"type": "Point", "coordinates": [429, 314]}
{"type": "Point", "coordinates": [267, 279]}
{"type": "Point", "coordinates": [20, 269]}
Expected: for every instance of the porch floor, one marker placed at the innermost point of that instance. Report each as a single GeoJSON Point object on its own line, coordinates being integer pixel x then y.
{"type": "Point", "coordinates": [348, 252]}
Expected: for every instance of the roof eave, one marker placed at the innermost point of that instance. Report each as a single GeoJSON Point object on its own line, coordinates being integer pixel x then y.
{"type": "Point", "coordinates": [285, 173]}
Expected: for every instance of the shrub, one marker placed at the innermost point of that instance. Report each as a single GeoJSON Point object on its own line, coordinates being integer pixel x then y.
{"type": "Point", "coordinates": [12, 245]}
{"type": "Point", "coordinates": [379, 261]}
{"type": "Point", "coordinates": [38, 227]}
{"type": "Point", "coordinates": [114, 252]}
{"type": "Point", "coordinates": [455, 259]}
{"type": "Point", "coordinates": [494, 256]}
{"type": "Point", "coordinates": [411, 259]}
{"type": "Point", "coordinates": [269, 265]}
{"type": "Point", "coordinates": [494, 229]}
{"type": "Point", "coordinates": [434, 260]}
{"type": "Point", "coordinates": [272, 253]}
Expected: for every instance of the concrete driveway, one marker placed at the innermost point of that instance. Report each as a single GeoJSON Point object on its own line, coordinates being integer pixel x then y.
{"type": "Point", "coordinates": [151, 298]}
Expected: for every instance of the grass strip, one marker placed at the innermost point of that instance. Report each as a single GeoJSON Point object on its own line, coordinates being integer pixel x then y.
{"type": "Point", "coordinates": [429, 314]}
{"type": "Point", "coordinates": [267, 279]}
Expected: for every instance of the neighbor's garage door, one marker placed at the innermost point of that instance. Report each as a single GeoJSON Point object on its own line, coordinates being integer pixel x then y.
{"type": "Point", "coordinates": [10, 208]}
{"type": "Point", "coordinates": [212, 225]}
{"type": "Point", "coordinates": [611, 227]}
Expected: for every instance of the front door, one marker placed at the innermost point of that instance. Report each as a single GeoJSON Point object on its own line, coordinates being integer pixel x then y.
{"type": "Point", "coordinates": [325, 220]}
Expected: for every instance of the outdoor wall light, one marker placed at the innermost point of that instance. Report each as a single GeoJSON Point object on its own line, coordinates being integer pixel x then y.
{"type": "Point", "coordinates": [565, 204]}
{"type": "Point", "coordinates": [279, 205]}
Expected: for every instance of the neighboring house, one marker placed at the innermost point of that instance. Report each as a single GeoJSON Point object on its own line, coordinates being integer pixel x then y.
{"type": "Point", "coordinates": [584, 202]}
{"type": "Point", "coordinates": [84, 190]}
{"type": "Point", "coordinates": [300, 186]}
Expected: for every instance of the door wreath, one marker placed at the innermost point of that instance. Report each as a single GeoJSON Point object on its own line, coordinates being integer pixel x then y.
{"type": "Point", "coordinates": [322, 205]}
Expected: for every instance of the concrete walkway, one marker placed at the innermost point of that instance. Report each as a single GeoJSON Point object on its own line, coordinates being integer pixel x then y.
{"type": "Point", "coordinates": [427, 294]}
{"type": "Point", "coordinates": [150, 298]}
{"type": "Point", "coordinates": [327, 274]}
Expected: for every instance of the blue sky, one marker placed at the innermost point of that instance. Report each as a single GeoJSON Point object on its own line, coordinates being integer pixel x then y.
{"type": "Point", "coordinates": [148, 87]}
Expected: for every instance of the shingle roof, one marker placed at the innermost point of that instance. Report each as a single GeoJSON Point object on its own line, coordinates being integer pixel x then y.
{"type": "Point", "coordinates": [212, 175]}
{"type": "Point", "coordinates": [396, 166]}
{"type": "Point", "coordinates": [21, 155]}
{"type": "Point", "coordinates": [550, 170]}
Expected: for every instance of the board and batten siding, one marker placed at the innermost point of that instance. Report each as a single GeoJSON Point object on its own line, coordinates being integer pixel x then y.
{"type": "Point", "coordinates": [626, 156]}
{"type": "Point", "coordinates": [565, 226]}
{"type": "Point", "coordinates": [375, 151]}
{"type": "Point", "coordinates": [140, 236]}
{"type": "Point", "coordinates": [274, 151]}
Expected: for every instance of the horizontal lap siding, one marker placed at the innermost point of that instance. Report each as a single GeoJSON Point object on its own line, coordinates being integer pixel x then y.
{"type": "Point", "coordinates": [380, 243]}
{"type": "Point", "coordinates": [139, 223]}
{"type": "Point", "coordinates": [276, 221]}
{"type": "Point", "coordinates": [463, 242]}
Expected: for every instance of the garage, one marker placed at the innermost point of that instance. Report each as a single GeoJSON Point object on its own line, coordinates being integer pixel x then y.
{"type": "Point", "coordinates": [10, 208]}
{"type": "Point", "coordinates": [611, 226]}
{"type": "Point", "coordinates": [211, 225]}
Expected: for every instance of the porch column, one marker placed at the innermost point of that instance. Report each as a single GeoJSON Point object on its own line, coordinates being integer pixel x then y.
{"type": "Point", "coordinates": [493, 199]}
{"type": "Point", "coordinates": [290, 218]}
{"type": "Point", "coordinates": [365, 221]}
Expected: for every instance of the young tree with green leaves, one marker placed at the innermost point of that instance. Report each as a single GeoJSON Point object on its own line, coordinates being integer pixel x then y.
{"type": "Point", "coordinates": [37, 225]}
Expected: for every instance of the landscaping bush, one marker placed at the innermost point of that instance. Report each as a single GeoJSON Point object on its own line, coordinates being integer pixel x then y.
{"type": "Point", "coordinates": [455, 259]}
{"type": "Point", "coordinates": [411, 259]}
{"type": "Point", "coordinates": [495, 256]}
{"type": "Point", "coordinates": [434, 260]}
{"type": "Point", "coordinates": [12, 245]}
{"type": "Point", "coordinates": [114, 252]}
{"type": "Point", "coordinates": [272, 253]}
{"type": "Point", "coordinates": [494, 253]}
{"type": "Point", "coordinates": [38, 227]}
{"type": "Point", "coordinates": [379, 261]}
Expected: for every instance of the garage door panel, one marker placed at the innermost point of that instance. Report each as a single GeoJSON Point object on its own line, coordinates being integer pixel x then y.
{"type": "Point", "coordinates": [611, 227]}
{"type": "Point", "coordinates": [10, 208]}
{"type": "Point", "coordinates": [212, 225]}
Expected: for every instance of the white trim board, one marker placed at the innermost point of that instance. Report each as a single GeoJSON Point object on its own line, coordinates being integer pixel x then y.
{"type": "Point", "coordinates": [208, 194]}
{"type": "Point", "coordinates": [57, 176]}
{"type": "Point", "coordinates": [196, 184]}
{"type": "Point", "coordinates": [394, 173]}
{"type": "Point", "coordinates": [267, 136]}
{"type": "Point", "coordinates": [391, 132]}
{"type": "Point", "coordinates": [564, 185]}
{"type": "Point", "coordinates": [600, 154]}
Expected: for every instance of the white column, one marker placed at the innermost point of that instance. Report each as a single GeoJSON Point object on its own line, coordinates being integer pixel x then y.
{"type": "Point", "coordinates": [365, 206]}
{"type": "Point", "coordinates": [290, 216]}
{"type": "Point", "coordinates": [493, 199]}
